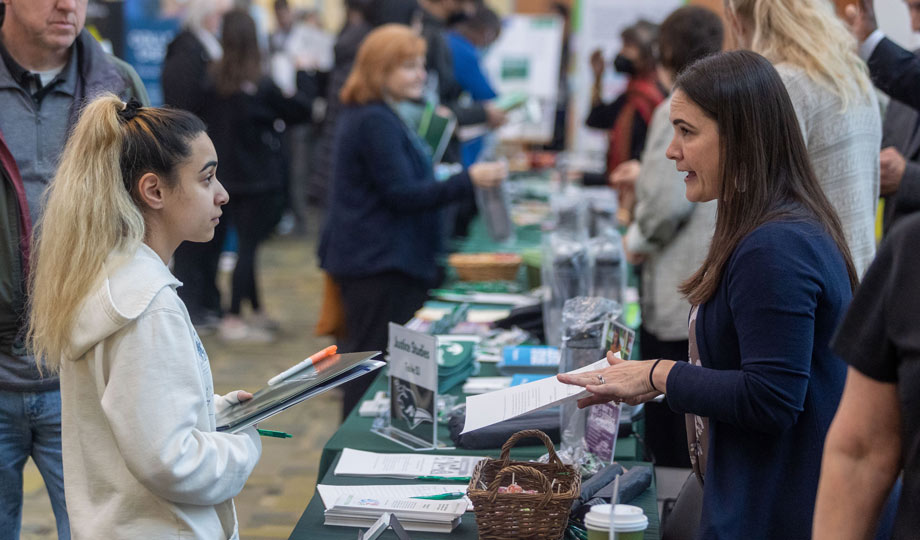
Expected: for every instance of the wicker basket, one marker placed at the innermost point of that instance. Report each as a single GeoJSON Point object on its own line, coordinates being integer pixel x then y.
{"type": "Point", "coordinates": [538, 516]}
{"type": "Point", "coordinates": [485, 266]}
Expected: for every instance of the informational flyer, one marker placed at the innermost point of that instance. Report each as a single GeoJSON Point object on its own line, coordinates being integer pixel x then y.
{"type": "Point", "coordinates": [487, 409]}
{"type": "Point", "coordinates": [602, 429]}
{"type": "Point", "coordinates": [412, 466]}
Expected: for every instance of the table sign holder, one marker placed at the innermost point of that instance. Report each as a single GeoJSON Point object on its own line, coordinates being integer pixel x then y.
{"type": "Point", "coordinates": [386, 521]}
{"type": "Point", "coordinates": [413, 387]}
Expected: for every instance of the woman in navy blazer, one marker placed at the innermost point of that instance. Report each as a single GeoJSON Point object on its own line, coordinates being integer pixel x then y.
{"type": "Point", "coordinates": [763, 385]}
{"type": "Point", "coordinates": [383, 233]}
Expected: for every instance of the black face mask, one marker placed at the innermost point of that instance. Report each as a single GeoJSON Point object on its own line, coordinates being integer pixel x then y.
{"type": "Point", "coordinates": [624, 65]}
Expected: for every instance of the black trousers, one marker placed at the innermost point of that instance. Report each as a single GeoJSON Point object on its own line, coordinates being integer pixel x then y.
{"type": "Point", "coordinates": [253, 217]}
{"type": "Point", "coordinates": [195, 265]}
{"type": "Point", "coordinates": [665, 430]}
{"type": "Point", "coordinates": [371, 303]}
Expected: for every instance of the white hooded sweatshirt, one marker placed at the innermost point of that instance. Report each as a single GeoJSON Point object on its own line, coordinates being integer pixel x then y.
{"type": "Point", "coordinates": [141, 455]}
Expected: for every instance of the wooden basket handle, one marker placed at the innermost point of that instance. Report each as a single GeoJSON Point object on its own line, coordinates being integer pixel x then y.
{"type": "Point", "coordinates": [521, 471]}
{"type": "Point", "coordinates": [526, 434]}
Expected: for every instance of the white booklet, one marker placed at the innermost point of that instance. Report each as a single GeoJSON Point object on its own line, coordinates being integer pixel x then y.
{"type": "Point", "coordinates": [494, 407]}
{"type": "Point", "coordinates": [330, 494]}
{"type": "Point", "coordinates": [422, 466]}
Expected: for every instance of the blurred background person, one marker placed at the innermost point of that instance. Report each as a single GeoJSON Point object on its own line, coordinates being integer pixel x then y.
{"type": "Point", "coordinates": [894, 70]}
{"type": "Point", "coordinates": [300, 41]}
{"type": "Point", "coordinates": [284, 23]}
{"type": "Point", "coordinates": [356, 27]}
{"type": "Point", "coordinates": [836, 106]}
{"type": "Point", "coordinates": [900, 156]}
{"type": "Point", "coordinates": [184, 75]}
{"type": "Point", "coordinates": [241, 109]}
{"type": "Point", "coordinates": [469, 40]}
{"type": "Point", "coordinates": [875, 435]}
{"type": "Point", "coordinates": [382, 238]}
{"type": "Point", "coordinates": [628, 116]}
{"type": "Point", "coordinates": [669, 235]}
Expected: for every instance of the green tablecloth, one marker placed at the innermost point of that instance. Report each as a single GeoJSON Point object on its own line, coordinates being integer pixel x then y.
{"type": "Point", "coordinates": [310, 526]}
{"type": "Point", "coordinates": [355, 432]}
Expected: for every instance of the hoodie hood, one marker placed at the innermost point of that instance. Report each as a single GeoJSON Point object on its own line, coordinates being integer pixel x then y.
{"type": "Point", "coordinates": [129, 284]}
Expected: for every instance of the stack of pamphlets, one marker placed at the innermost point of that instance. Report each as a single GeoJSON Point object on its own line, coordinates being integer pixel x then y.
{"type": "Point", "coordinates": [360, 506]}
{"type": "Point", "coordinates": [456, 355]}
{"type": "Point", "coordinates": [414, 514]}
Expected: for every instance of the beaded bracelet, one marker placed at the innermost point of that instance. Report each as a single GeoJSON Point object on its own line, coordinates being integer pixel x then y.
{"type": "Point", "coordinates": [650, 372]}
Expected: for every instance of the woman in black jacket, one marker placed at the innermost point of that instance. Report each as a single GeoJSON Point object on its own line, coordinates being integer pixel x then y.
{"type": "Point", "coordinates": [383, 231]}
{"type": "Point", "coordinates": [242, 110]}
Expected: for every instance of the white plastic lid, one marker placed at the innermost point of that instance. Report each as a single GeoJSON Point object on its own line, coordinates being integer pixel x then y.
{"type": "Point", "coordinates": [626, 518]}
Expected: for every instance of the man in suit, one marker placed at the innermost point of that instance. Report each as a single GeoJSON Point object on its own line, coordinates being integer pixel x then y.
{"type": "Point", "coordinates": [900, 155]}
{"type": "Point", "coordinates": [894, 70]}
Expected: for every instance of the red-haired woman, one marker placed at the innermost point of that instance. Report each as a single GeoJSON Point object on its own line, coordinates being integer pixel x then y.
{"type": "Point", "coordinates": [383, 233]}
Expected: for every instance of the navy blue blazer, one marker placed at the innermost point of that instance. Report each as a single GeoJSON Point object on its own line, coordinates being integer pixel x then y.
{"type": "Point", "coordinates": [769, 383]}
{"type": "Point", "coordinates": [383, 212]}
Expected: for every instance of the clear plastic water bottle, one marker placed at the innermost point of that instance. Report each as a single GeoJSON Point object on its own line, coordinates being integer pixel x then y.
{"type": "Point", "coordinates": [584, 322]}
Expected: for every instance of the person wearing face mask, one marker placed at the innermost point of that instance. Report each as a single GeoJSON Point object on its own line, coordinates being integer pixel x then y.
{"type": "Point", "coordinates": [627, 117]}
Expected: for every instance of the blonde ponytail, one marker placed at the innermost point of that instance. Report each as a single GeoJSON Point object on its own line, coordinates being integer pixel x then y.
{"type": "Point", "coordinates": [90, 211]}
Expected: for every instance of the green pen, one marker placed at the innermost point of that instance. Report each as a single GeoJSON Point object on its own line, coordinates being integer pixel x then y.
{"type": "Point", "coordinates": [445, 478]}
{"type": "Point", "coordinates": [277, 434]}
{"type": "Point", "coordinates": [443, 496]}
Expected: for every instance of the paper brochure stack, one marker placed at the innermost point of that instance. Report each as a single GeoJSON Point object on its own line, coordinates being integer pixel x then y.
{"type": "Point", "coordinates": [414, 514]}
{"type": "Point", "coordinates": [360, 506]}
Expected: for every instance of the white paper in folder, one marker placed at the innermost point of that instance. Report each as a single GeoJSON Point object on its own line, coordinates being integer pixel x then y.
{"type": "Point", "coordinates": [494, 407]}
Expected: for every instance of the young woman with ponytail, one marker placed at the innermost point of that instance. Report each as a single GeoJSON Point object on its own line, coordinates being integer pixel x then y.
{"type": "Point", "coordinates": [141, 455]}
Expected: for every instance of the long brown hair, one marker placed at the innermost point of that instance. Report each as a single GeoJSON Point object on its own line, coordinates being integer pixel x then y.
{"type": "Point", "coordinates": [381, 52]}
{"type": "Point", "coordinates": [241, 62]}
{"type": "Point", "coordinates": [764, 171]}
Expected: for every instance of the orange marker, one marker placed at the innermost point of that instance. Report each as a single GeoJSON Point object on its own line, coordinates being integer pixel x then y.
{"type": "Point", "coordinates": [325, 353]}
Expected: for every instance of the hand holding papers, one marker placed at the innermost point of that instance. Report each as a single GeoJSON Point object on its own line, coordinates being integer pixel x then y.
{"type": "Point", "coordinates": [487, 409]}
{"type": "Point", "coordinates": [321, 375]}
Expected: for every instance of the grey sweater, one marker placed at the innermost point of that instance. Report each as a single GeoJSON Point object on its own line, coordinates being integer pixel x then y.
{"type": "Point", "coordinates": [671, 231]}
{"type": "Point", "coordinates": [843, 146]}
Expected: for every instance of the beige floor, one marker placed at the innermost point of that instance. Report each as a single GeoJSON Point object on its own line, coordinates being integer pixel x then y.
{"type": "Point", "coordinates": [283, 482]}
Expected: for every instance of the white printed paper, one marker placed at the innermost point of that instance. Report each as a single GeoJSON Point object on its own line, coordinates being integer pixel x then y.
{"type": "Point", "coordinates": [330, 494]}
{"type": "Point", "coordinates": [419, 509]}
{"type": "Point", "coordinates": [359, 463]}
{"type": "Point", "coordinates": [487, 409]}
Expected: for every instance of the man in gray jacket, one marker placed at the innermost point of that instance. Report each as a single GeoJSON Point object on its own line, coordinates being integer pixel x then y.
{"type": "Point", "coordinates": [900, 155]}
{"type": "Point", "coordinates": [49, 67]}
{"type": "Point", "coordinates": [669, 235]}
